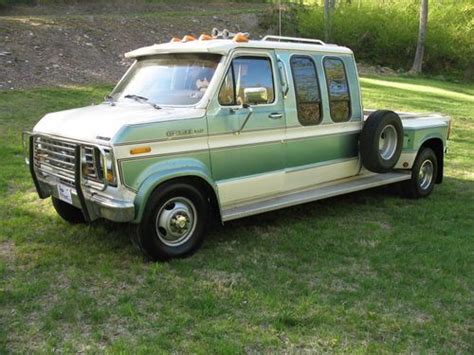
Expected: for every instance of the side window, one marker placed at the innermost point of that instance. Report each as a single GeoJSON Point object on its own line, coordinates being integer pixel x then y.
{"type": "Point", "coordinates": [308, 99]}
{"type": "Point", "coordinates": [227, 92]}
{"type": "Point", "coordinates": [339, 99]}
{"type": "Point", "coordinates": [248, 81]}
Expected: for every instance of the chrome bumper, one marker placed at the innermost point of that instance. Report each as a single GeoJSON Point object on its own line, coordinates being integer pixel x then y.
{"type": "Point", "coordinates": [99, 206]}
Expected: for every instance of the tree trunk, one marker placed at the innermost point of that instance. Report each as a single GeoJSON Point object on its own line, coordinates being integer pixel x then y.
{"type": "Point", "coordinates": [420, 46]}
{"type": "Point", "coordinates": [327, 20]}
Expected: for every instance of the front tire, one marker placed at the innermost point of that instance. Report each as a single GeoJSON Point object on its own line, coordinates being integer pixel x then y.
{"type": "Point", "coordinates": [174, 222]}
{"type": "Point", "coordinates": [68, 212]}
{"type": "Point", "coordinates": [423, 176]}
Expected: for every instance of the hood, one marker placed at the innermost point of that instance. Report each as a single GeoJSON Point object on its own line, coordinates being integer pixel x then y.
{"type": "Point", "coordinates": [94, 123]}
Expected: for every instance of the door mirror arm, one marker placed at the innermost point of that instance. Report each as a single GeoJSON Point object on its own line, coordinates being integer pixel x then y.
{"type": "Point", "coordinates": [249, 113]}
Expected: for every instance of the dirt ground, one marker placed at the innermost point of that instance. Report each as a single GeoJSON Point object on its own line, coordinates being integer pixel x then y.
{"type": "Point", "coordinates": [71, 45]}
{"type": "Point", "coordinates": [85, 43]}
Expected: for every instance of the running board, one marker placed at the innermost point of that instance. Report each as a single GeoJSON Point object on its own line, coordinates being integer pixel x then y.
{"type": "Point", "coordinates": [344, 186]}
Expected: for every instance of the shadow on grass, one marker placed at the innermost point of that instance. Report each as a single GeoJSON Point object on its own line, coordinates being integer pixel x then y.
{"type": "Point", "coordinates": [322, 207]}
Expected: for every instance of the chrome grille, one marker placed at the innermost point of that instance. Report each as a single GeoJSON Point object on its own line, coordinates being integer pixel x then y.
{"type": "Point", "coordinates": [90, 166]}
{"type": "Point", "coordinates": [54, 157]}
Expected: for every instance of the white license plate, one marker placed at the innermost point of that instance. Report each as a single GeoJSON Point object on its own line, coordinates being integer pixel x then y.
{"type": "Point", "coordinates": [65, 193]}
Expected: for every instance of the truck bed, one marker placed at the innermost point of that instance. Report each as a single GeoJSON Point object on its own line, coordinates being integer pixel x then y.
{"type": "Point", "coordinates": [418, 120]}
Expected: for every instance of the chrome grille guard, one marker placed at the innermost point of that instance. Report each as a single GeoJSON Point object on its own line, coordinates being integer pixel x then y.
{"type": "Point", "coordinates": [64, 160]}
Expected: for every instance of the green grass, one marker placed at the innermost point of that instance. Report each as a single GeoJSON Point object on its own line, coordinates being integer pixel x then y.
{"type": "Point", "coordinates": [369, 271]}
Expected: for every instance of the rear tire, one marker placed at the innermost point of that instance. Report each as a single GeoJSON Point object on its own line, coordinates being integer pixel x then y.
{"type": "Point", "coordinates": [68, 212]}
{"type": "Point", "coordinates": [423, 175]}
{"type": "Point", "coordinates": [174, 222]}
{"type": "Point", "coordinates": [381, 141]}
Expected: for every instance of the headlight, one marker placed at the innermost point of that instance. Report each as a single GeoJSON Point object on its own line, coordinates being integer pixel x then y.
{"type": "Point", "coordinates": [98, 164]}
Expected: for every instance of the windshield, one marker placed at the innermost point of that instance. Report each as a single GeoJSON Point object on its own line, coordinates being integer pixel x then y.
{"type": "Point", "coordinates": [168, 79]}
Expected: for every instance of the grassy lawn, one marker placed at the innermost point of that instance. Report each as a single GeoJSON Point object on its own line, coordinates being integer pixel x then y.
{"type": "Point", "coordinates": [369, 271]}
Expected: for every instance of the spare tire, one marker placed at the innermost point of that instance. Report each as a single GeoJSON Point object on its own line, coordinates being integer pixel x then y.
{"type": "Point", "coordinates": [381, 141]}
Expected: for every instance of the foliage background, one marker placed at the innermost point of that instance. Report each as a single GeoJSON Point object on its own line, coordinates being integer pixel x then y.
{"type": "Point", "coordinates": [385, 32]}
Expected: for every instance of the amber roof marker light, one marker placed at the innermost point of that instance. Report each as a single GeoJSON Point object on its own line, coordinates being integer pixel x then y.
{"type": "Point", "coordinates": [241, 37]}
{"type": "Point", "coordinates": [188, 38]}
{"type": "Point", "coordinates": [215, 34]}
{"type": "Point", "coordinates": [205, 37]}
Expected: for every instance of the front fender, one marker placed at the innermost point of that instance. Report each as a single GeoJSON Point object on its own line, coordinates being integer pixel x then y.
{"type": "Point", "coordinates": [163, 171]}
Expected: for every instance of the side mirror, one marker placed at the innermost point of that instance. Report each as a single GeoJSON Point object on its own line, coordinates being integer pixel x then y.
{"type": "Point", "coordinates": [256, 96]}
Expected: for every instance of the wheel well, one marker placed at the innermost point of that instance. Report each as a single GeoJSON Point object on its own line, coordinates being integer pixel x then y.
{"type": "Point", "coordinates": [436, 145]}
{"type": "Point", "coordinates": [203, 186]}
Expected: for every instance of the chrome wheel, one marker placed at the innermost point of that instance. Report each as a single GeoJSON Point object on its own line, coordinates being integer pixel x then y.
{"type": "Point", "coordinates": [176, 221]}
{"type": "Point", "coordinates": [388, 142]}
{"type": "Point", "coordinates": [425, 175]}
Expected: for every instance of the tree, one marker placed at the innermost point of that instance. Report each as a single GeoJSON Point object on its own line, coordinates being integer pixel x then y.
{"type": "Point", "coordinates": [420, 46]}
{"type": "Point", "coordinates": [327, 19]}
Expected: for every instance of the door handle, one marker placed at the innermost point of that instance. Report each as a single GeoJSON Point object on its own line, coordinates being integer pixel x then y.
{"type": "Point", "coordinates": [275, 115]}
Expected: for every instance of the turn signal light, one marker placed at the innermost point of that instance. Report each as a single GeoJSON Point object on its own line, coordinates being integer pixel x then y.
{"type": "Point", "coordinates": [140, 150]}
{"type": "Point", "coordinates": [240, 37]}
{"type": "Point", "coordinates": [110, 177]}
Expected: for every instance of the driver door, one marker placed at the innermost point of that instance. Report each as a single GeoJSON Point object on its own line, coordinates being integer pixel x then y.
{"type": "Point", "coordinates": [248, 160]}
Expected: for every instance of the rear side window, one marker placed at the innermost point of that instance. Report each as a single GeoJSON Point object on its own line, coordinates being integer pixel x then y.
{"type": "Point", "coordinates": [308, 99]}
{"type": "Point", "coordinates": [339, 99]}
{"type": "Point", "coordinates": [248, 81]}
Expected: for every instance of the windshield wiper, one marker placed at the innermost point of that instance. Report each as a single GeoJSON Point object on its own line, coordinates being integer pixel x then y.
{"type": "Point", "coordinates": [109, 99]}
{"type": "Point", "coordinates": [142, 99]}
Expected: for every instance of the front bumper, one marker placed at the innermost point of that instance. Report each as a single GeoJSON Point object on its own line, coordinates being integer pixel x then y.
{"type": "Point", "coordinates": [98, 206]}
{"type": "Point", "coordinates": [92, 203]}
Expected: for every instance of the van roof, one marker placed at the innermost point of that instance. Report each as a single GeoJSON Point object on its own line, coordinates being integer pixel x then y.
{"type": "Point", "coordinates": [224, 46]}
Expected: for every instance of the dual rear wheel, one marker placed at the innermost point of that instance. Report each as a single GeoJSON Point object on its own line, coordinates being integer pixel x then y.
{"type": "Point", "coordinates": [423, 175]}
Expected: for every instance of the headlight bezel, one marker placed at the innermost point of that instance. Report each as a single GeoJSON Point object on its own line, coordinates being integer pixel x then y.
{"type": "Point", "coordinates": [103, 165]}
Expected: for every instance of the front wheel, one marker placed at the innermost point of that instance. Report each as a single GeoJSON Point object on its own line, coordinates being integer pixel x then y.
{"type": "Point", "coordinates": [423, 176]}
{"type": "Point", "coordinates": [174, 222]}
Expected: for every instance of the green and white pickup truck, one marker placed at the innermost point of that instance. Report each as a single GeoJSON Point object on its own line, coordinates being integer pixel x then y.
{"type": "Point", "coordinates": [226, 128]}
